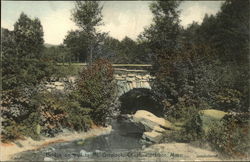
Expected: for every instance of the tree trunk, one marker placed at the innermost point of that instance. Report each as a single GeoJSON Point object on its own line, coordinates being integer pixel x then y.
{"type": "Point", "coordinates": [91, 54]}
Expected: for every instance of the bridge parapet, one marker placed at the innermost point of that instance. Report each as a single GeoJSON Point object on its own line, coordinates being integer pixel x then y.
{"type": "Point", "coordinates": [130, 79]}
{"type": "Point", "coordinates": [126, 79]}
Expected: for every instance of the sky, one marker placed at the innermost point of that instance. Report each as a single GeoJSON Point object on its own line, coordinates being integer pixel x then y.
{"type": "Point", "coordinates": [121, 18]}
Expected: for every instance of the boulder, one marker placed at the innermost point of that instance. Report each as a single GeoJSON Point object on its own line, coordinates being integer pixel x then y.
{"type": "Point", "coordinates": [150, 121]}
{"type": "Point", "coordinates": [153, 125]}
{"type": "Point", "coordinates": [152, 136]}
{"type": "Point", "coordinates": [125, 125]}
{"type": "Point", "coordinates": [48, 159]}
{"type": "Point", "coordinates": [209, 117]}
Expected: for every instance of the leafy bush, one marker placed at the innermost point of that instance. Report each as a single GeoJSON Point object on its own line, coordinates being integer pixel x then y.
{"type": "Point", "coordinates": [231, 137]}
{"type": "Point", "coordinates": [26, 125]}
{"type": "Point", "coordinates": [19, 113]}
{"type": "Point", "coordinates": [228, 99]}
{"type": "Point", "coordinates": [63, 111]}
{"type": "Point", "coordinates": [24, 67]}
{"type": "Point", "coordinates": [96, 89]}
{"type": "Point", "coordinates": [78, 117]}
{"type": "Point", "coordinates": [191, 126]}
{"type": "Point", "coordinates": [52, 112]}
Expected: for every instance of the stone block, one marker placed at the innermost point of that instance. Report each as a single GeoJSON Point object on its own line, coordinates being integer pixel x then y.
{"type": "Point", "coordinates": [131, 75]}
{"type": "Point", "coordinates": [130, 79]}
{"type": "Point", "coordinates": [58, 84]}
{"type": "Point", "coordinates": [60, 87]}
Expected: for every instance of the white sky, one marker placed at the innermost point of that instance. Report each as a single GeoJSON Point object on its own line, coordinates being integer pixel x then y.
{"type": "Point", "coordinates": [121, 18]}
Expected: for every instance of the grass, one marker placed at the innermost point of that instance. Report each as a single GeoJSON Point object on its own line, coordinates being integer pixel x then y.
{"type": "Point", "coordinates": [69, 70]}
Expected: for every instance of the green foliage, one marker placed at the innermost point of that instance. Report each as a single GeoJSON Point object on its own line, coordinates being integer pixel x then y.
{"type": "Point", "coordinates": [163, 34]}
{"type": "Point", "coordinates": [78, 118]}
{"type": "Point", "coordinates": [201, 67]}
{"type": "Point", "coordinates": [28, 127]}
{"type": "Point", "coordinates": [58, 54]}
{"type": "Point", "coordinates": [87, 15]}
{"type": "Point", "coordinates": [77, 43]}
{"type": "Point", "coordinates": [52, 111]}
{"type": "Point", "coordinates": [19, 122]}
{"type": "Point", "coordinates": [185, 80]}
{"type": "Point", "coordinates": [10, 130]}
{"type": "Point", "coordinates": [23, 61]}
{"type": "Point", "coordinates": [228, 99]}
{"type": "Point", "coordinates": [26, 110]}
{"type": "Point", "coordinates": [228, 34]}
{"type": "Point", "coordinates": [67, 70]}
{"type": "Point", "coordinates": [191, 126]}
{"type": "Point", "coordinates": [194, 70]}
{"type": "Point", "coordinates": [231, 136]}
{"type": "Point", "coordinates": [96, 89]}
{"type": "Point", "coordinates": [125, 51]}
{"type": "Point", "coordinates": [24, 67]}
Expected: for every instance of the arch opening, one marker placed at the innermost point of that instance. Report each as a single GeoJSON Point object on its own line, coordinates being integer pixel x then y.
{"type": "Point", "coordinates": [140, 99]}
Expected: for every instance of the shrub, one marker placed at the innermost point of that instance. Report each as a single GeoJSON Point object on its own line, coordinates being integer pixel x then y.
{"type": "Point", "coordinates": [228, 98]}
{"type": "Point", "coordinates": [78, 117]}
{"type": "Point", "coordinates": [96, 89]}
{"type": "Point", "coordinates": [20, 115]}
{"type": "Point", "coordinates": [13, 129]}
{"type": "Point", "coordinates": [191, 126]}
{"type": "Point", "coordinates": [52, 112]}
{"type": "Point", "coordinates": [231, 137]}
{"type": "Point", "coordinates": [63, 111]}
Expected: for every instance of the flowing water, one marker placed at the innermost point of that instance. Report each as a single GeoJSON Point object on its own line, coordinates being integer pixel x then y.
{"type": "Point", "coordinates": [124, 141]}
{"type": "Point", "coordinates": [121, 143]}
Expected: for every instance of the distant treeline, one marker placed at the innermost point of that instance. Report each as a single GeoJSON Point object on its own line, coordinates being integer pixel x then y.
{"type": "Point", "coordinates": [74, 49]}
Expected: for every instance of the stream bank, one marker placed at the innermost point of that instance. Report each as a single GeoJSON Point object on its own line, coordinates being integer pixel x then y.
{"type": "Point", "coordinates": [123, 142]}
{"type": "Point", "coordinates": [7, 151]}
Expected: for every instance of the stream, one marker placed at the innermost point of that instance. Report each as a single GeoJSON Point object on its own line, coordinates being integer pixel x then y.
{"type": "Point", "coordinates": [123, 142]}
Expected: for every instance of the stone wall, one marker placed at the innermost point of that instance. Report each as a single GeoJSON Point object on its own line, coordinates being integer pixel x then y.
{"type": "Point", "coordinates": [130, 79]}
{"type": "Point", "coordinates": [126, 81]}
{"type": "Point", "coordinates": [60, 84]}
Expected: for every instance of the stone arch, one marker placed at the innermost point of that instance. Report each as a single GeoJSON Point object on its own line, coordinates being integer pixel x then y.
{"type": "Point", "coordinates": [126, 86]}
{"type": "Point", "coordinates": [129, 81]}
{"type": "Point", "coordinates": [139, 99]}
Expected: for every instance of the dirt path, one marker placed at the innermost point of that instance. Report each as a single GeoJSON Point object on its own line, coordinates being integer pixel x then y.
{"type": "Point", "coordinates": [182, 151]}
{"type": "Point", "coordinates": [8, 150]}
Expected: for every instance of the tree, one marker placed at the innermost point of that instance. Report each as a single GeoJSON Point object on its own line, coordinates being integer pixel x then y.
{"type": "Point", "coordinates": [23, 68]}
{"type": "Point", "coordinates": [87, 16]}
{"type": "Point", "coordinates": [163, 39]}
{"type": "Point", "coordinates": [23, 61]}
{"type": "Point", "coordinates": [164, 31]}
{"type": "Point", "coordinates": [110, 49]}
{"type": "Point", "coordinates": [228, 34]}
{"type": "Point", "coordinates": [77, 43]}
{"type": "Point", "coordinates": [96, 90]}
{"type": "Point", "coordinates": [163, 34]}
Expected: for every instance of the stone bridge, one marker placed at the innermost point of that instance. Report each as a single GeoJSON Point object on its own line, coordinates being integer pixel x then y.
{"type": "Point", "coordinates": [127, 77]}
{"type": "Point", "coordinates": [127, 80]}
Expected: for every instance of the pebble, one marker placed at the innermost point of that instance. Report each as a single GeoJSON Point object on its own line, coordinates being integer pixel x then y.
{"type": "Point", "coordinates": [85, 153]}
{"type": "Point", "coordinates": [48, 159]}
